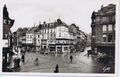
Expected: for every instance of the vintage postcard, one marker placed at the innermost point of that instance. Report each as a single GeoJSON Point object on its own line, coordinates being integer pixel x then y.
{"type": "Point", "coordinates": [59, 36]}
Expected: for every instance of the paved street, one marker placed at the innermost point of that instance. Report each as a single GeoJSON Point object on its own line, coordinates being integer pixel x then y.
{"type": "Point", "coordinates": [47, 63]}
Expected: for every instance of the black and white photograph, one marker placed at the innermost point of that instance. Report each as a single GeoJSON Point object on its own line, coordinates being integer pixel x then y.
{"type": "Point", "coordinates": [59, 36]}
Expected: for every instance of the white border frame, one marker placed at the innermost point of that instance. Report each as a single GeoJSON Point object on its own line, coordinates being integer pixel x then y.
{"type": "Point", "coordinates": [117, 53]}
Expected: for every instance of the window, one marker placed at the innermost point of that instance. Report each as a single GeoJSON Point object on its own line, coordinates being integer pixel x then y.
{"type": "Point", "coordinates": [109, 38]}
{"type": "Point", "coordinates": [9, 21]}
{"type": "Point", "coordinates": [4, 21]}
{"type": "Point", "coordinates": [63, 42]}
{"type": "Point", "coordinates": [30, 36]}
{"type": "Point", "coordinates": [104, 38]}
{"type": "Point", "coordinates": [109, 27]}
{"type": "Point", "coordinates": [51, 36]}
{"type": "Point", "coordinates": [51, 30]}
{"type": "Point", "coordinates": [27, 36]}
{"type": "Point", "coordinates": [65, 48]}
{"type": "Point", "coordinates": [104, 19]}
{"type": "Point", "coordinates": [5, 36]}
{"type": "Point", "coordinates": [45, 30]}
{"type": "Point", "coordinates": [104, 28]}
{"type": "Point", "coordinates": [59, 34]}
{"type": "Point", "coordinates": [97, 19]}
{"type": "Point", "coordinates": [58, 41]}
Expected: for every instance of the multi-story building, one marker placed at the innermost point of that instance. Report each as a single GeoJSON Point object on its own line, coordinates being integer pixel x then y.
{"type": "Point", "coordinates": [103, 30]}
{"type": "Point", "coordinates": [14, 38]}
{"type": "Point", "coordinates": [38, 37]}
{"type": "Point", "coordinates": [31, 38]}
{"type": "Point", "coordinates": [62, 37]}
{"type": "Point", "coordinates": [7, 39]}
{"type": "Point", "coordinates": [54, 37]}
{"type": "Point", "coordinates": [88, 39]}
{"type": "Point", "coordinates": [19, 37]}
{"type": "Point", "coordinates": [79, 38]}
{"type": "Point", "coordinates": [48, 36]}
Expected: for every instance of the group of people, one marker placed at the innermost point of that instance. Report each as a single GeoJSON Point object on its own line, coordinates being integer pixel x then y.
{"type": "Point", "coordinates": [17, 58]}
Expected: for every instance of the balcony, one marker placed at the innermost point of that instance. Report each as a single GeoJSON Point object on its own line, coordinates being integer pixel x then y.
{"type": "Point", "coordinates": [105, 43]}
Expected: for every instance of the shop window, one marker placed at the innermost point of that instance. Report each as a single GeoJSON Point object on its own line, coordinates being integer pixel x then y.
{"type": "Point", "coordinates": [65, 48]}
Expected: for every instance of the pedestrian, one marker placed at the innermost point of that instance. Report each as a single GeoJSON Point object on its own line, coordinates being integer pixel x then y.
{"type": "Point", "coordinates": [71, 58]}
{"type": "Point", "coordinates": [56, 69]}
{"type": "Point", "coordinates": [23, 58]}
{"type": "Point", "coordinates": [18, 62]}
{"type": "Point", "coordinates": [15, 63]}
{"type": "Point", "coordinates": [88, 53]}
{"type": "Point", "coordinates": [36, 61]}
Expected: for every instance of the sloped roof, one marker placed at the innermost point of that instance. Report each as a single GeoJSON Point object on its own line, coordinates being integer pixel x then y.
{"type": "Point", "coordinates": [32, 30]}
{"type": "Point", "coordinates": [106, 10]}
{"type": "Point", "coordinates": [52, 24]}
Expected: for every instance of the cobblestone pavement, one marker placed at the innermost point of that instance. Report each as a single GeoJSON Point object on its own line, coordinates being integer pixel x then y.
{"type": "Point", "coordinates": [47, 63]}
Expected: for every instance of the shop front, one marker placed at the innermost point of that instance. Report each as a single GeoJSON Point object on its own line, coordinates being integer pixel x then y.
{"type": "Point", "coordinates": [52, 48]}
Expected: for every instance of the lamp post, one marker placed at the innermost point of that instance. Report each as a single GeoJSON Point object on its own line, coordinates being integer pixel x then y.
{"type": "Point", "coordinates": [93, 43]}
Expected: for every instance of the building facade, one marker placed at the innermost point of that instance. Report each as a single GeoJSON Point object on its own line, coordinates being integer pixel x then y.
{"type": "Point", "coordinates": [54, 37]}
{"type": "Point", "coordinates": [7, 40]}
{"type": "Point", "coordinates": [38, 37]}
{"type": "Point", "coordinates": [62, 38]}
{"type": "Point", "coordinates": [103, 30]}
{"type": "Point", "coordinates": [31, 38]}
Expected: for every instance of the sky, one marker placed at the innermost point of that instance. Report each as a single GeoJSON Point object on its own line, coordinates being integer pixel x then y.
{"type": "Point", "coordinates": [29, 12]}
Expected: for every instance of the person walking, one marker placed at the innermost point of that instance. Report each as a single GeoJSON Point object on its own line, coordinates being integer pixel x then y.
{"type": "Point", "coordinates": [18, 62]}
{"type": "Point", "coordinates": [71, 58]}
{"type": "Point", "coordinates": [36, 62]}
{"type": "Point", "coordinates": [56, 69]}
{"type": "Point", "coordinates": [15, 63]}
{"type": "Point", "coordinates": [23, 58]}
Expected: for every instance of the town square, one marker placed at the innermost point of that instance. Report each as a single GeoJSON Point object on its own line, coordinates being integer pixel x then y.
{"type": "Point", "coordinates": [57, 41]}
